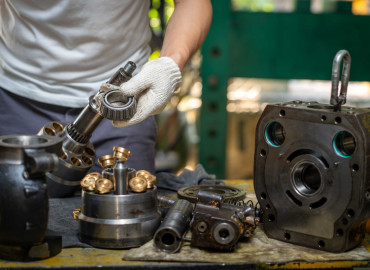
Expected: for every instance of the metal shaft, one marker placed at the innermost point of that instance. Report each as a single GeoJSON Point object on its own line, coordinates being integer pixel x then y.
{"type": "Point", "coordinates": [120, 172]}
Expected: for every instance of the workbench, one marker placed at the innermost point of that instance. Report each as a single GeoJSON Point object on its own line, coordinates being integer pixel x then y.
{"type": "Point", "coordinates": [93, 258]}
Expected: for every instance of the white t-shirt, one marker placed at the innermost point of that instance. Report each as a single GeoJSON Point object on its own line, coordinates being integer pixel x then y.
{"type": "Point", "coordinates": [60, 51]}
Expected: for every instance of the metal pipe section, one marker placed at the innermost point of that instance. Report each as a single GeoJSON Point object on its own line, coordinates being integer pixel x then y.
{"type": "Point", "coordinates": [168, 238]}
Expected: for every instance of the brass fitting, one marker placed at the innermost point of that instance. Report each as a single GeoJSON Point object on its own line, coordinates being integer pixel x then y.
{"type": "Point", "coordinates": [103, 186]}
{"type": "Point", "coordinates": [76, 212]}
{"type": "Point", "coordinates": [138, 184]}
{"type": "Point", "coordinates": [88, 182]}
{"type": "Point", "coordinates": [106, 161]}
{"type": "Point", "coordinates": [151, 179]}
{"type": "Point", "coordinates": [121, 153]}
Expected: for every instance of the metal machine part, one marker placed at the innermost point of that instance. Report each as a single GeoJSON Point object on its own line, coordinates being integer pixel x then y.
{"type": "Point", "coordinates": [78, 154]}
{"type": "Point", "coordinates": [118, 221]}
{"type": "Point", "coordinates": [312, 172]}
{"type": "Point", "coordinates": [218, 225]}
{"type": "Point", "coordinates": [24, 160]}
{"type": "Point", "coordinates": [120, 176]}
{"type": "Point", "coordinates": [190, 193]}
{"type": "Point", "coordinates": [168, 238]}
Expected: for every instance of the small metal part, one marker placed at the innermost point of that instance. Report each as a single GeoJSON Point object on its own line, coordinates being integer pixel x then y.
{"type": "Point", "coordinates": [116, 106]}
{"type": "Point", "coordinates": [88, 182]}
{"type": "Point", "coordinates": [168, 237]}
{"type": "Point", "coordinates": [76, 212]}
{"type": "Point", "coordinates": [202, 226]}
{"type": "Point", "coordinates": [121, 153]}
{"type": "Point", "coordinates": [228, 192]}
{"type": "Point", "coordinates": [138, 184]}
{"type": "Point", "coordinates": [120, 172]}
{"type": "Point", "coordinates": [103, 186]}
{"type": "Point", "coordinates": [106, 161]}
{"type": "Point", "coordinates": [338, 99]}
{"type": "Point", "coordinates": [123, 74]}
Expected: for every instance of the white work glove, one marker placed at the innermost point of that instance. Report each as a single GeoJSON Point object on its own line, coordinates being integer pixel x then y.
{"type": "Point", "coordinates": [152, 87]}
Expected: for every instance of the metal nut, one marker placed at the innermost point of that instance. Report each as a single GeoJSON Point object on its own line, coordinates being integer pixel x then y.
{"type": "Point", "coordinates": [88, 182]}
{"type": "Point", "coordinates": [103, 186]}
{"type": "Point", "coordinates": [76, 212]}
{"type": "Point", "coordinates": [121, 153]}
{"type": "Point", "coordinates": [106, 161]}
{"type": "Point", "coordinates": [138, 184]}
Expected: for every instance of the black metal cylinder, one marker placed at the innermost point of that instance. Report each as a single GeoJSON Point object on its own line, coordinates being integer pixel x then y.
{"type": "Point", "coordinates": [168, 238]}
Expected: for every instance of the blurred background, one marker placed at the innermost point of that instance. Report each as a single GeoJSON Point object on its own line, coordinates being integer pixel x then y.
{"type": "Point", "coordinates": [257, 52]}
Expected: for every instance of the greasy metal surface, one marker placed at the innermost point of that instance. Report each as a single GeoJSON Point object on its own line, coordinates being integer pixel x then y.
{"type": "Point", "coordinates": [312, 174]}
{"type": "Point", "coordinates": [24, 160]}
{"type": "Point", "coordinates": [228, 192]}
{"type": "Point", "coordinates": [218, 225]}
{"type": "Point", "coordinates": [118, 221]}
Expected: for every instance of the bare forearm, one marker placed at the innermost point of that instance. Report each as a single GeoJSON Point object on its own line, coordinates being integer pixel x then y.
{"type": "Point", "coordinates": [186, 29]}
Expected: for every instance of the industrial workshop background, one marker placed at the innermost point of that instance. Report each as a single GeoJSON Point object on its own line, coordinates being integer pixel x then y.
{"type": "Point", "coordinates": [257, 52]}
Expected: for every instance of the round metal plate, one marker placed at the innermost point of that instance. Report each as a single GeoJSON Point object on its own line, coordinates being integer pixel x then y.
{"type": "Point", "coordinates": [190, 193]}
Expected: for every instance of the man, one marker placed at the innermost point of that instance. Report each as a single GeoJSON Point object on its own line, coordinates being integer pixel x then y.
{"type": "Point", "coordinates": [55, 54]}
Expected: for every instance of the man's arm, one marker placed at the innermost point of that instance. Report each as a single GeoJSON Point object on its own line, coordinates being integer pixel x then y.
{"type": "Point", "coordinates": [186, 30]}
{"type": "Point", "coordinates": [154, 85]}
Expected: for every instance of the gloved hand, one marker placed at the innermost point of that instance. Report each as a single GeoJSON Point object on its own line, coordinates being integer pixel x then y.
{"type": "Point", "coordinates": [152, 87]}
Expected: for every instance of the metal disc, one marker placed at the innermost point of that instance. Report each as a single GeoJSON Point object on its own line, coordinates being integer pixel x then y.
{"type": "Point", "coordinates": [228, 193]}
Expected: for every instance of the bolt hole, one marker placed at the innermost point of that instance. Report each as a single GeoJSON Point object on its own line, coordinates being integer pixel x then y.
{"type": "Point", "coordinates": [344, 221]}
{"type": "Point", "coordinates": [367, 194]}
{"type": "Point", "coordinates": [263, 196]}
{"type": "Point", "coordinates": [224, 233]}
{"type": "Point", "coordinates": [282, 113]}
{"type": "Point", "coordinates": [287, 236]}
{"type": "Point", "coordinates": [321, 244]}
{"type": "Point", "coordinates": [323, 118]}
{"type": "Point", "coordinates": [351, 213]}
{"type": "Point", "coordinates": [263, 153]}
{"type": "Point", "coordinates": [271, 218]}
{"type": "Point", "coordinates": [355, 167]}
{"type": "Point", "coordinates": [339, 232]}
{"type": "Point", "coordinates": [215, 51]}
{"type": "Point", "coordinates": [213, 106]}
{"type": "Point", "coordinates": [338, 120]}
{"type": "Point", "coordinates": [212, 133]}
{"type": "Point", "coordinates": [267, 207]}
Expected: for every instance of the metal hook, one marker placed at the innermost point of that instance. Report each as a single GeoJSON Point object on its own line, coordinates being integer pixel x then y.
{"type": "Point", "coordinates": [335, 99]}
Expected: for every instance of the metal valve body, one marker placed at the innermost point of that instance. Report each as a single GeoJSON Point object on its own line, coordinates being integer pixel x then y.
{"type": "Point", "coordinates": [312, 174]}
{"type": "Point", "coordinates": [24, 160]}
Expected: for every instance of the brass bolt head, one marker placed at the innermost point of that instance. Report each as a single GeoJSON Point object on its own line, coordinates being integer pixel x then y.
{"type": "Point", "coordinates": [121, 153]}
{"type": "Point", "coordinates": [103, 186]}
{"type": "Point", "coordinates": [138, 184]}
{"type": "Point", "coordinates": [76, 212]}
{"type": "Point", "coordinates": [88, 182]}
{"type": "Point", "coordinates": [106, 161]}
